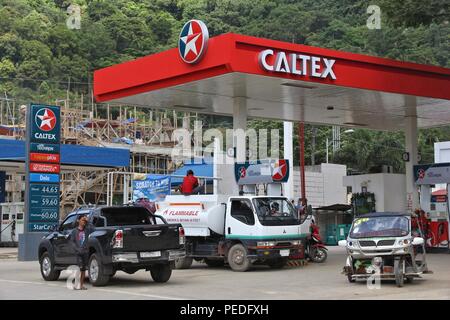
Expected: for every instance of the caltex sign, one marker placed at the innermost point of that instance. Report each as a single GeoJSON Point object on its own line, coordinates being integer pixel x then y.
{"type": "Point", "coordinates": [193, 41]}
{"type": "Point", "coordinates": [43, 167]}
{"type": "Point", "coordinates": [297, 64]}
{"type": "Point", "coordinates": [45, 126]}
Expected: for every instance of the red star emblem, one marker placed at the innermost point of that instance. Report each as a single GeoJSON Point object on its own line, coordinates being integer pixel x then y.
{"type": "Point", "coordinates": [279, 170]}
{"type": "Point", "coordinates": [45, 119]}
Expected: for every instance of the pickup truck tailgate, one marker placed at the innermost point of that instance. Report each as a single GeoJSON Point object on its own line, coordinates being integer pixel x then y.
{"type": "Point", "coordinates": [150, 237]}
{"type": "Point", "coordinates": [139, 233]}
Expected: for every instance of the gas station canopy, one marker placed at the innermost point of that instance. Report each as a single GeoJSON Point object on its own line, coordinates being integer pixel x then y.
{"type": "Point", "coordinates": [283, 81]}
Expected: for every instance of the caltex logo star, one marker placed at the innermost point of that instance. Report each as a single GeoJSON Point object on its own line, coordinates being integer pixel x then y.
{"type": "Point", "coordinates": [45, 119]}
{"type": "Point", "coordinates": [193, 41]}
{"type": "Point", "coordinates": [242, 172]}
{"type": "Point", "coordinates": [421, 173]}
{"type": "Point", "coordinates": [279, 170]}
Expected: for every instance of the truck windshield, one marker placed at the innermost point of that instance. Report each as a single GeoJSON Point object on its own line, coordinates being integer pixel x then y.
{"type": "Point", "coordinates": [395, 226]}
{"type": "Point", "coordinates": [125, 216]}
{"type": "Point", "coordinates": [275, 211]}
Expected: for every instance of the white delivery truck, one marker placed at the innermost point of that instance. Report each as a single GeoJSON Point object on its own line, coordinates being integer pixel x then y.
{"type": "Point", "coordinates": [238, 230]}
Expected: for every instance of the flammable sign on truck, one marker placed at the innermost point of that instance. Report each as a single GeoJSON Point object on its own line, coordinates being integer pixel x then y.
{"type": "Point", "coordinates": [240, 231]}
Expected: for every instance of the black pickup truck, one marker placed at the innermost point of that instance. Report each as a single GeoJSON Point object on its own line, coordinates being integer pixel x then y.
{"type": "Point", "coordinates": [126, 238]}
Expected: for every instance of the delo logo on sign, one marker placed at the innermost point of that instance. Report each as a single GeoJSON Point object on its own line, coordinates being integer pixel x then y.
{"type": "Point", "coordinates": [193, 41]}
{"type": "Point", "coordinates": [45, 126]}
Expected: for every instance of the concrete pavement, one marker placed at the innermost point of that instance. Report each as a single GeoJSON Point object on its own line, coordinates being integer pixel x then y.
{"type": "Point", "coordinates": [22, 280]}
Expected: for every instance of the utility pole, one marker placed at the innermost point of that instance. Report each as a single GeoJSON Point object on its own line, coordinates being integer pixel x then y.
{"type": "Point", "coordinates": [301, 133]}
{"type": "Point", "coordinates": [313, 145]}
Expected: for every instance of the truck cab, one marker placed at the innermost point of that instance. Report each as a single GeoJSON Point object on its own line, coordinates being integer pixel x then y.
{"type": "Point", "coordinates": [239, 231]}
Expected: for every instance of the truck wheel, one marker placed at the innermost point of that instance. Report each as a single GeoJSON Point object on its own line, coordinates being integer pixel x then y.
{"type": "Point", "coordinates": [237, 258]}
{"type": "Point", "coordinates": [398, 270]}
{"type": "Point", "coordinates": [161, 272]}
{"type": "Point", "coordinates": [214, 263]}
{"type": "Point", "coordinates": [48, 271]}
{"type": "Point", "coordinates": [97, 274]}
{"type": "Point", "coordinates": [277, 263]}
{"type": "Point", "coordinates": [183, 263]}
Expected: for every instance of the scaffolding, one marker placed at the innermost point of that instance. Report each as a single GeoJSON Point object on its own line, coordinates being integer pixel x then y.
{"type": "Point", "coordinates": [146, 132]}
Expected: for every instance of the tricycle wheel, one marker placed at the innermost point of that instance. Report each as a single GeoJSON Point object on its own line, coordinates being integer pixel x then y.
{"type": "Point", "coordinates": [398, 270]}
{"type": "Point", "coordinates": [349, 278]}
{"type": "Point", "coordinates": [409, 279]}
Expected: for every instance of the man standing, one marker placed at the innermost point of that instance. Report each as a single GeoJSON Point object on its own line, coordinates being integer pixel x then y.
{"type": "Point", "coordinates": [79, 237]}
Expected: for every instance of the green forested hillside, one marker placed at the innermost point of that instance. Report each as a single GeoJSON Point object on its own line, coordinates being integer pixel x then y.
{"type": "Point", "coordinates": [40, 57]}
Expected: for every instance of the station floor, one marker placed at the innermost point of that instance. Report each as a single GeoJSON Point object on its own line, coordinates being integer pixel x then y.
{"type": "Point", "coordinates": [22, 280]}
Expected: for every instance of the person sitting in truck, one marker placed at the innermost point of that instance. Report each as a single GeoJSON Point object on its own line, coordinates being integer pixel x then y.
{"type": "Point", "coordinates": [190, 184]}
{"type": "Point", "coordinates": [275, 209]}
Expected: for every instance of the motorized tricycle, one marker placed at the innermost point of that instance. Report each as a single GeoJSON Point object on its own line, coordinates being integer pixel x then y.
{"type": "Point", "coordinates": [383, 244]}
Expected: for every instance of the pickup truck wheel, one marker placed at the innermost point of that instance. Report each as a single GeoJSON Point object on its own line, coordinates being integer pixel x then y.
{"type": "Point", "coordinates": [214, 263]}
{"type": "Point", "coordinates": [161, 272]}
{"type": "Point", "coordinates": [97, 276]}
{"type": "Point", "coordinates": [277, 263]}
{"type": "Point", "coordinates": [183, 263]}
{"type": "Point", "coordinates": [48, 271]}
{"type": "Point", "coordinates": [237, 258]}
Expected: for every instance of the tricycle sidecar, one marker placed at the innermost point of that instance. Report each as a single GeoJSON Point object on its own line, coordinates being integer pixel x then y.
{"type": "Point", "coordinates": [382, 244]}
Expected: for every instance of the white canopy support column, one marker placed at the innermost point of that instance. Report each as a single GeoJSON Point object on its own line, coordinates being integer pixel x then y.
{"type": "Point", "coordinates": [225, 170]}
{"type": "Point", "coordinates": [239, 127]}
{"type": "Point", "coordinates": [411, 142]}
{"type": "Point", "coordinates": [289, 154]}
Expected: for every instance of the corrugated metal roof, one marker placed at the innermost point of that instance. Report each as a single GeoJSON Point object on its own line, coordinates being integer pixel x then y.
{"type": "Point", "coordinates": [14, 150]}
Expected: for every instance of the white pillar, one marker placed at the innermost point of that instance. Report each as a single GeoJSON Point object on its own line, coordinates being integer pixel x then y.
{"type": "Point", "coordinates": [289, 154]}
{"type": "Point", "coordinates": [225, 170]}
{"type": "Point", "coordinates": [240, 123]}
{"type": "Point", "coordinates": [411, 140]}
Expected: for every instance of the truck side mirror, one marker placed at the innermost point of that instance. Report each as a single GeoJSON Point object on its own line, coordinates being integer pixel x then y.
{"type": "Point", "coordinates": [342, 243]}
{"type": "Point", "coordinates": [417, 241]}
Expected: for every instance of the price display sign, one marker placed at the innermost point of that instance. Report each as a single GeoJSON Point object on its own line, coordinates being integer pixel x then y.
{"type": "Point", "coordinates": [43, 167]}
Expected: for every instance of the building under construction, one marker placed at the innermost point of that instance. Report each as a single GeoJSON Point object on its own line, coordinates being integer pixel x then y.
{"type": "Point", "coordinates": [147, 134]}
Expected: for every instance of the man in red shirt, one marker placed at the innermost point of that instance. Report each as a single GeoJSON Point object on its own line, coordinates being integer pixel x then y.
{"type": "Point", "coordinates": [190, 184]}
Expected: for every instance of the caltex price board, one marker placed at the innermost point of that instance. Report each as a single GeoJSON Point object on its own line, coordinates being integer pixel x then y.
{"type": "Point", "coordinates": [43, 167]}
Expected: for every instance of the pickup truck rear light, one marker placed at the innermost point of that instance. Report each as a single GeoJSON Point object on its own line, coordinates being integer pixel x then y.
{"type": "Point", "coordinates": [117, 241]}
{"type": "Point", "coordinates": [182, 238]}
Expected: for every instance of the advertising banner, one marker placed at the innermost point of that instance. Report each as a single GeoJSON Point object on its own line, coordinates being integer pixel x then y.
{"type": "Point", "coordinates": [151, 187]}
{"type": "Point", "coordinates": [262, 171]}
{"type": "Point", "coordinates": [432, 173]}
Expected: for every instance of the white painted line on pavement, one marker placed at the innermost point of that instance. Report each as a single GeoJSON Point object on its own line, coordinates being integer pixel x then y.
{"type": "Point", "coordinates": [97, 289]}
{"type": "Point", "coordinates": [140, 294]}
